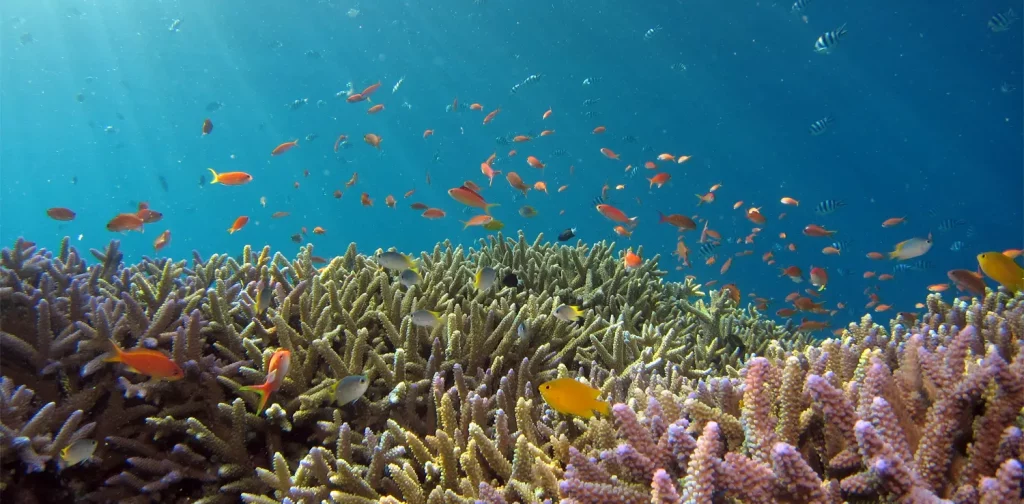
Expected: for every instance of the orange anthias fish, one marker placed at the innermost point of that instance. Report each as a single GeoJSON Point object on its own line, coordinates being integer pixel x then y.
{"type": "Point", "coordinates": [540, 186]}
{"type": "Point", "coordinates": [659, 179]}
{"type": "Point", "coordinates": [490, 117]}
{"type": "Point", "coordinates": [355, 97]}
{"type": "Point", "coordinates": [370, 90]}
{"type": "Point", "coordinates": [546, 114]}
{"type": "Point", "coordinates": [277, 370]}
{"type": "Point", "coordinates": [390, 201]}
{"type": "Point", "coordinates": [893, 221]}
{"type": "Point", "coordinates": [207, 127]}
{"type": "Point", "coordinates": [631, 261]}
{"type": "Point", "coordinates": [516, 182]}
{"type": "Point", "coordinates": [374, 109]}
{"type": "Point", "coordinates": [616, 215]}
{"type": "Point", "coordinates": [706, 198]}
{"type": "Point", "coordinates": [608, 153]}
{"type": "Point", "coordinates": [238, 224]}
{"type": "Point", "coordinates": [598, 130]}
{"type": "Point", "coordinates": [162, 241]}
{"type": "Point", "coordinates": [427, 133]}
{"type": "Point", "coordinates": [373, 140]}
{"type": "Point", "coordinates": [230, 178]}
{"type": "Point", "coordinates": [125, 222]}
{"type": "Point", "coordinates": [790, 201]}
{"type": "Point", "coordinates": [337, 143]}
{"type": "Point", "coordinates": [152, 363]}
{"type": "Point", "coordinates": [534, 162]}
{"type": "Point", "coordinates": [285, 147]}
{"type": "Point", "coordinates": [478, 220]}
{"type": "Point", "coordinates": [754, 215]}
{"type": "Point", "coordinates": [817, 231]}
{"type": "Point", "coordinates": [365, 199]}
{"type": "Point", "coordinates": [469, 197]}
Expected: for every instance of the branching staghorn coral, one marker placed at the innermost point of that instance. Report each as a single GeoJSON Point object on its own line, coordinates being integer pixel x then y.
{"type": "Point", "coordinates": [452, 412]}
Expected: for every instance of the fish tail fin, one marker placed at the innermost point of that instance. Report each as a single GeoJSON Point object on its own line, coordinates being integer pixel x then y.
{"type": "Point", "coordinates": [465, 224]}
{"type": "Point", "coordinates": [118, 353]}
{"type": "Point", "coordinates": [700, 199]}
{"type": "Point", "coordinates": [661, 216]}
{"type": "Point", "coordinates": [214, 175]}
{"type": "Point", "coordinates": [604, 408]}
{"type": "Point", "coordinates": [632, 221]}
{"type": "Point", "coordinates": [263, 391]}
{"type": "Point", "coordinates": [487, 208]}
{"type": "Point", "coordinates": [821, 288]}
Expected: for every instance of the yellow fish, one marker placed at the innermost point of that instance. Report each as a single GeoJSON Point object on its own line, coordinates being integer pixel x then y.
{"type": "Point", "coordinates": [1002, 269]}
{"type": "Point", "coordinates": [571, 397]}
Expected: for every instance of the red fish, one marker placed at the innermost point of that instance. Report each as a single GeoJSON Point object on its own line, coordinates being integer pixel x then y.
{"type": "Point", "coordinates": [277, 369]}
{"type": "Point", "coordinates": [659, 179]}
{"type": "Point", "coordinates": [490, 117]}
{"type": "Point", "coordinates": [608, 153]}
{"type": "Point", "coordinates": [238, 224]}
{"type": "Point", "coordinates": [469, 197]}
{"type": "Point", "coordinates": [616, 215]}
{"type": "Point", "coordinates": [817, 231]}
{"type": "Point", "coordinates": [162, 241]}
{"type": "Point", "coordinates": [489, 172]}
{"type": "Point", "coordinates": [285, 147]}
{"type": "Point", "coordinates": [337, 143]}
{"type": "Point", "coordinates": [230, 178]}
{"type": "Point", "coordinates": [125, 222]}
{"type": "Point", "coordinates": [207, 127]}
{"type": "Point", "coordinates": [61, 214]}
{"type": "Point", "coordinates": [152, 363]}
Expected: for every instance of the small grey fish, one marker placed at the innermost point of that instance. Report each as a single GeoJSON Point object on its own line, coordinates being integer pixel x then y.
{"type": "Point", "coordinates": [425, 318]}
{"type": "Point", "coordinates": [409, 277]}
{"type": "Point", "coordinates": [264, 295]}
{"type": "Point", "coordinates": [568, 313]}
{"type": "Point", "coordinates": [78, 452]}
{"type": "Point", "coordinates": [395, 261]}
{"type": "Point", "coordinates": [350, 388]}
{"type": "Point", "coordinates": [485, 278]}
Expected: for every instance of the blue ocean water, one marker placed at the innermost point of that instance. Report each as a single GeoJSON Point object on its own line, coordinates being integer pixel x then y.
{"type": "Point", "coordinates": [100, 100]}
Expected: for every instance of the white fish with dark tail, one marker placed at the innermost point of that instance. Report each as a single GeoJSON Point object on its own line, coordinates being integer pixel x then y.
{"type": "Point", "coordinates": [350, 388]}
{"type": "Point", "coordinates": [828, 206]}
{"type": "Point", "coordinates": [829, 40]}
{"type": "Point", "coordinates": [1002, 21]}
{"type": "Point", "coordinates": [821, 125]}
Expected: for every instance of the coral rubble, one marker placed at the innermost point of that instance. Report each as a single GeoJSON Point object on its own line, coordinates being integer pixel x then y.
{"type": "Point", "coordinates": [713, 403]}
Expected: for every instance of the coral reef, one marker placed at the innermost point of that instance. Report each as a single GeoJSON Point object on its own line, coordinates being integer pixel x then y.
{"type": "Point", "coordinates": [713, 402]}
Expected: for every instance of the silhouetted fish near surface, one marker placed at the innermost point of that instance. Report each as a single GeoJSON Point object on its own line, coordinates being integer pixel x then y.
{"type": "Point", "coordinates": [214, 106]}
{"type": "Point", "coordinates": [163, 183]}
{"type": "Point", "coordinates": [202, 180]}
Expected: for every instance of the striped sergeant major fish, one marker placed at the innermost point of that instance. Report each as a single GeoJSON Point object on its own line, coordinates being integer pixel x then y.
{"type": "Point", "coordinates": [828, 40]}
{"type": "Point", "coordinates": [828, 206]}
{"type": "Point", "coordinates": [708, 249]}
{"type": "Point", "coordinates": [918, 265]}
{"type": "Point", "coordinates": [957, 246]}
{"type": "Point", "coordinates": [1001, 21]}
{"type": "Point", "coordinates": [821, 125]}
{"type": "Point", "coordinates": [799, 6]}
{"type": "Point", "coordinates": [950, 224]}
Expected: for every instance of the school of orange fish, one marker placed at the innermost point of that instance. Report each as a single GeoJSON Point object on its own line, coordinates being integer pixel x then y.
{"type": "Point", "coordinates": [470, 194]}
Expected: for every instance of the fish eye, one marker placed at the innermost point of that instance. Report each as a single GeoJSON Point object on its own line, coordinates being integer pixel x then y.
{"type": "Point", "coordinates": [362, 380]}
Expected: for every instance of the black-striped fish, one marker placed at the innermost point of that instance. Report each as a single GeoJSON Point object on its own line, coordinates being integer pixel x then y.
{"type": "Point", "coordinates": [799, 6]}
{"type": "Point", "coordinates": [708, 249]}
{"type": "Point", "coordinates": [956, 246]}
{"type": "Point", "coordinates": [950, 224]}
{"type": "Point", "coordinates": [918, 265]}
{"type": "Point", "coordinates": [829, 40]}
{"type": "Point", "coordinates": [828, 206]}
{"type": "Point", "coordinates": [821, 125]}
{"type": "Point", "coordinates": [1002, 21]}
{"type": "Point", "coordinates": [841, 245]}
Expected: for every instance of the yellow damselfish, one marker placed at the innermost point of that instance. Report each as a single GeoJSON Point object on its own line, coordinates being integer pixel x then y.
{"type": "Point", "coordinates": [1002, 269]}
{"type": "Point", "coordinates": [571, 397]}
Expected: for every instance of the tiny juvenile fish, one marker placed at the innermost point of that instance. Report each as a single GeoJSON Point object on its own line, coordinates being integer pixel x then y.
{"type": "Point", "coordinates": [570, 397]}
{"type": "Point", "coordinates": [349, 389]}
